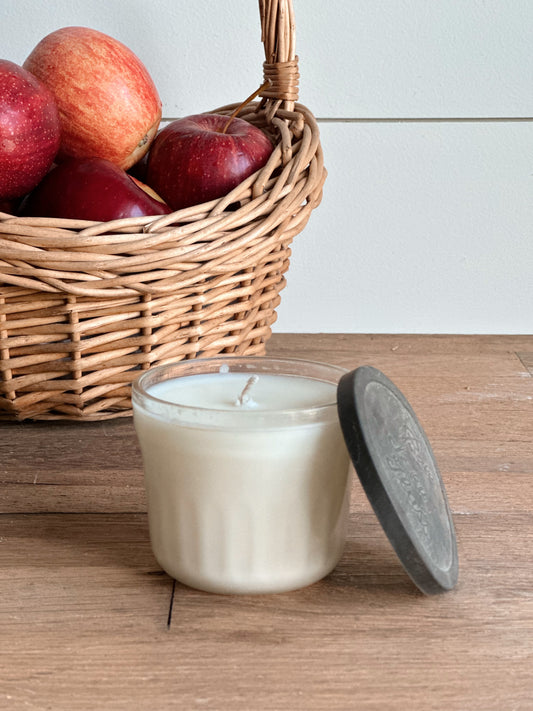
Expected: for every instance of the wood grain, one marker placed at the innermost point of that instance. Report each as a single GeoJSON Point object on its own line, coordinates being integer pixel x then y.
{"type": "Point", "coordinates": [85, 609]}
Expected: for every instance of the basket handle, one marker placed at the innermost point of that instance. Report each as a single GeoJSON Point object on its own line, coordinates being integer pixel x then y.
{"type": "Point", "coordinates": [281, 66]}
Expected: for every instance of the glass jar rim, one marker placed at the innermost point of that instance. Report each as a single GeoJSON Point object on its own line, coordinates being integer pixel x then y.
{"type": "Point", "coordinates": [220, 418]}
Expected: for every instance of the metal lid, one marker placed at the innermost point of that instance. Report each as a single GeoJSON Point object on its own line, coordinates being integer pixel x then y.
{"type": "Point", "coordinates": [395, 463]}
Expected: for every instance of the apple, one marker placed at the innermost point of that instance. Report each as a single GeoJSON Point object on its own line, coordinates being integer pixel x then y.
{"type": "Point", "coordinates": [147, 189]}
{"type": "Point", "coordinates": [108, 103]}
{"type": "Point", "coordinates": [202, 157]}
{"type": "Point", "coordinates": [29, 130]}
{"type": "Point", "coordinates": [91, 189]}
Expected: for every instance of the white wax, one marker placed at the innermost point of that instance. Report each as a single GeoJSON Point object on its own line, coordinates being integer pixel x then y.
{"type": "Point", "coordinates": [220, 391]}
{"type": "Point", "coordinates": [249, 500]}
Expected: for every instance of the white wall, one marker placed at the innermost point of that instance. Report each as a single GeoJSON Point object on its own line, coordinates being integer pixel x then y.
{"type": "Point", "coordinates": [426, 114]}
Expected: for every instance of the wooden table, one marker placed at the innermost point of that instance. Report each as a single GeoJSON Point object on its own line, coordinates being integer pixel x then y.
{"type": "Point", "coordinates": [89, 621]}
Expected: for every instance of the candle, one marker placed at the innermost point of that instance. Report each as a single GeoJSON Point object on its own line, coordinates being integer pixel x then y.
{"type": "Point", "coordinates": [246, 470]}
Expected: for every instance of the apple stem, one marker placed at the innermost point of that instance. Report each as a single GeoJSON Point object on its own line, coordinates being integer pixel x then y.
{"type": "Point", "coordinates": [244, 103]}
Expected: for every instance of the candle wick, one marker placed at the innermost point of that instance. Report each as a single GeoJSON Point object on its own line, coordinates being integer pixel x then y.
{"type": "Point", "coordinates": [244, 397]}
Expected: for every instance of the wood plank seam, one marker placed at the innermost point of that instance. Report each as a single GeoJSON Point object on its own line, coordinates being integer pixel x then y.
{"type": "Point", "coordinates": [526, 359]}
{"type": "Point", "coordinates": [171, 605]}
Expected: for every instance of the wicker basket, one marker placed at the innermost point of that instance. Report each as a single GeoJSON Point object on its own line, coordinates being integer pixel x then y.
{"type": "Point", "coordinates": [84, 306]}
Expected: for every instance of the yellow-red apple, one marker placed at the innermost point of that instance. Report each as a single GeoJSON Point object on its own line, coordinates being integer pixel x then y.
{"type": "Point", "coordinates": [108, 104]}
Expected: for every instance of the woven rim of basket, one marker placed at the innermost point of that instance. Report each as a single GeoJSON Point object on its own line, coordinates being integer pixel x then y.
{"type": "Point", "coordinates": [147, 255]}
{"type": "Point", "coordinates": [153, 256]}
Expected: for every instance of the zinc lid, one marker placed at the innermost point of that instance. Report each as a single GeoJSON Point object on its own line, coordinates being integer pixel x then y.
{"type": "Point", "coordinates": [400, 476]}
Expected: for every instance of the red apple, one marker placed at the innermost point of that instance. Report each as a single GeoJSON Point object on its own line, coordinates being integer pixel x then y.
{"type": "Point", "coordinates": [29, 130]}
{"type": "Point", "coordinates": [192, 160]}
{"type": "Point", "coordinates": [91, 189]}
{"type": "Point", "coordinates": [108, 103]}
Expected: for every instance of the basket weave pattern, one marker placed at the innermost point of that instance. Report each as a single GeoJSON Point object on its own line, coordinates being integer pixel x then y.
{"type": "Point", "coordinates": [84, 306]}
